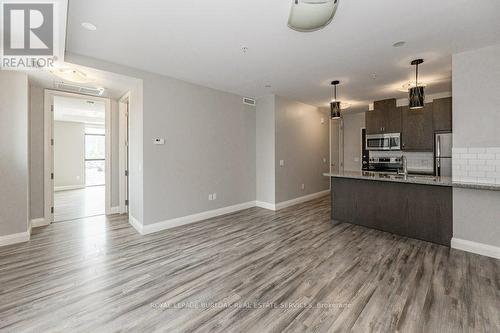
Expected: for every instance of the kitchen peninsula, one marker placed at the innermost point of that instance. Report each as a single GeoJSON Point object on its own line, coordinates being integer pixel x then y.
{"type": "Point", "coordinates": [413, 206]}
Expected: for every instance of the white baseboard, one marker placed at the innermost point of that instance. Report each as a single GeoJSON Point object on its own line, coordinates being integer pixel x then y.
{"type": "Point", "coordinates": [159, 226]}
{"type": "Point", "coordinates": [15, 238]}
{"type": "Point", "coordinates": [115, 210]}
{"type": "Point", "coordinates": [477, 248]}
{"type": "Point", "coordinates": [266, 205]}
{"type": "Point", "coordinates": [300, 200]}
{"type": "Point", "coordinates": [136, 224]}
{"type": "Point", "coordinates": [68, 187]}
{"type": "Point", "coordinates": [40, 222]}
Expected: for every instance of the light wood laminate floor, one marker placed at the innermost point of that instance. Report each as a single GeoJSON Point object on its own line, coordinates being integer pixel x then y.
{"type": "Point", "coordinates": [291, 271]}
{"type": "Point", "coordinates": [77, 204]}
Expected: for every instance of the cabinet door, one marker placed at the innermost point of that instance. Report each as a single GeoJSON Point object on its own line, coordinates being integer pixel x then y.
{"type": "Point", "coordinates": [442, 114]}
{"type": "Point", "coordinates": [373, 122]}
{"type": "Point", "coordinates": [392, 120]}
{"type": "Point", "coordinates": [418, 130]}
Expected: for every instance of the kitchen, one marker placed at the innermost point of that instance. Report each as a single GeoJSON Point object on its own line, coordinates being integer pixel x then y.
{"type": "Point", "coordinates": [402, 183]}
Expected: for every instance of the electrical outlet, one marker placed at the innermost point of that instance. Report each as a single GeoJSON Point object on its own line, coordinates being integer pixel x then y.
{"type": "Point", "coordinates": [324, 159]}
{"type": "Point", "coordinates": [210, 197]}
{"type": "Point", "coordinates": [214, 196]}
{"type": "Point", "coordinates": [303, 186]}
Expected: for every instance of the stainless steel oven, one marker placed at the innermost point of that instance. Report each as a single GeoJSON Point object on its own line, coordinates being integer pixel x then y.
{"type": "Point", "coordinates": [390, 141]}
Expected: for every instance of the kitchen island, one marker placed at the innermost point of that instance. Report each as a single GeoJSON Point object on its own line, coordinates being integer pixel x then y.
{"type": "Point", "coordinates": [419, 207]}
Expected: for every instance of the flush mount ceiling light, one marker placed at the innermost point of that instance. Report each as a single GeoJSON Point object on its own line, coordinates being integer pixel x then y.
{"type": "Point", "coordinates": [72, 75]}
{"type": "Point", "coordinates": [311, 15]}
{"type": "Point", "coordinates": [335, 105]}
{"type": "Point", "coordinates": [416, 94]}
{"type": "Point", "coordinates": [89, 26]}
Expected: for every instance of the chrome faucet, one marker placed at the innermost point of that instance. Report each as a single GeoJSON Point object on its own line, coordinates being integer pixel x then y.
{"type": "Point", "coordinates": [404, 165]}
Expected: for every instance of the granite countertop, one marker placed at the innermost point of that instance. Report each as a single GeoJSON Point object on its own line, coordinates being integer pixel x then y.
{"type": "Point", "coordinates": [412, 179]}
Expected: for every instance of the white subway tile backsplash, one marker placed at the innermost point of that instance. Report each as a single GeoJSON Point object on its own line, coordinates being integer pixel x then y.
{"type": "Point", "coordinates": [486, 156]}
{"type": "Point", "coordinates": [476, 165]}
{"type": "Point", "coordinates": [493, 150]}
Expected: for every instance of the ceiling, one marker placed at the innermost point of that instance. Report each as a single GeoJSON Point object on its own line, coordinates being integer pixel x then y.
{"type": "Point", "coordinates": [79, 110]}
{"type": "Point", "coordinates": [201, 42]}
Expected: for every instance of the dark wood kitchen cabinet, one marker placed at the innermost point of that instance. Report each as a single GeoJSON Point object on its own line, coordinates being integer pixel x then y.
{"type": "Point", "coordinates": [442, 114]}
{"type": "Point", "coordinates": [385, 118]}
{"type": "Point", "coordinates": [418, 129]}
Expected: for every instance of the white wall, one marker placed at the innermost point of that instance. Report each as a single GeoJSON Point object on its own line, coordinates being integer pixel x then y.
{"type": "Point", "coordinates": [13, 153]}
{"type": "Point", "coordinates": [353, 123]}
{"type": "Point", "coordinates": [265, 150]}
{"type": "Point", "coordinates": [476, 118]}
{"type": "Point", "coordinates": [302, 142]}
{"type": "Point", "coordinates": [69, 155]}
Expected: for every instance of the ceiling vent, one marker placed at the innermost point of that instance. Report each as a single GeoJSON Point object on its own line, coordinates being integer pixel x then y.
{"type": "Point", "coordinates": [249, 101]}
{"type": "Point", "coordinates": [79, 89]}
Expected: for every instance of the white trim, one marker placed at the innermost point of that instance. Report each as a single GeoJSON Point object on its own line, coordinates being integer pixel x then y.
{"type": "Point", "coordinates": [115, 210]}
{"type": "Point", "coordinates": [265, 205]}
{"type": "Point", "coordinates": [300, 200]}
{"type": "Point", "coordinates": [123, 121]}
{"type": "Point", "coordinates": [39, 222]}
{"type": "Point", "coordinates": [15, 238]}
{"type": "Point", "coordinates": [474, 247]}
{"type": "Point", "coordinates": [68, 187]}
{"type": "Point", "coordinates": [159, 226]}
{"type": "Point", "coordinates": [136, 224]}
{"type": "Point", "coordinates": [49, 155]}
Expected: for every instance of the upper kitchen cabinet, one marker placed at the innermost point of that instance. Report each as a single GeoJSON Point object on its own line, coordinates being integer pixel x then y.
{"type": "Point", "coordinates": [418, 129]}
{"type": "Point", "coordinates": [385, 118]}
{"type": "Point", "coordinates": [442, 114]}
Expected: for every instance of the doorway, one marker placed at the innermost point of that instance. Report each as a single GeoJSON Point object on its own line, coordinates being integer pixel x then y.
{"type": "Point", "coordinates": [78, 156]}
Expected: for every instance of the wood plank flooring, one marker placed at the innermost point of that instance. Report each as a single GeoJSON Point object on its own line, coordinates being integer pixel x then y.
{"type": "Point", "coordinates": [251, 271]}
{"type": "Point", "coordinates": [77, 204]}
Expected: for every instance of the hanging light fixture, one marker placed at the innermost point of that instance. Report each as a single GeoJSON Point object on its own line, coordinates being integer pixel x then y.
{"type": "Point", "coordinates": [416, 94]}
{"type": "Point", "coordinates": [334, 104]}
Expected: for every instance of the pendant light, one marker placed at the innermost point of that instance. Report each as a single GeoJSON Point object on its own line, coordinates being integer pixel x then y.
{"type": "Point", "coordinates": [334, 104]}
{"type": "Point", "coordinates": [416, 94]}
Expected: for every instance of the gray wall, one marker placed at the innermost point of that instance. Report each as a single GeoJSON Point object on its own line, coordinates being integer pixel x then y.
{"type": "Point", "coordinates": [476, 117]}
{"type": "Point", "coordinates": [302, 143]}
{"type": "Point", "coordinates": [210, 148]}
{"type": "Point", "coordinates": [36, 152]}
{"type": "Point", "coordinates": [265, 149]}
{"type": "Point", "coordinates": [353, 123]}
{"type": "Point", "coordinates": [13, 152]}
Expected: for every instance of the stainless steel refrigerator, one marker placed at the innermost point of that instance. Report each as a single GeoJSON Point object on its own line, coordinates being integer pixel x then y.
{"type": "Point", "coordinates": [442, 154]}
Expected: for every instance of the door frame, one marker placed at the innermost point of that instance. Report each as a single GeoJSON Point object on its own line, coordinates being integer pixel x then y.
{"type": "Point", "coordinates": [124, 138]}
{"type": "Point", "coordinates": [49, 151]}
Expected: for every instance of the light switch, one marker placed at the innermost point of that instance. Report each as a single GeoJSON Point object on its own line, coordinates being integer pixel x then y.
{"type": "Point", "coordinates": [282, 163]}
{"type": "Point", "coordinates": [322, 120]}
{"type": "Point", "coordinates": [159, 141]}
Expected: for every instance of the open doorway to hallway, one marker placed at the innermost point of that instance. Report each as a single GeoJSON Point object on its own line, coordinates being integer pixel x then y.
{"type": "Point", "coordinates": [79, 155]}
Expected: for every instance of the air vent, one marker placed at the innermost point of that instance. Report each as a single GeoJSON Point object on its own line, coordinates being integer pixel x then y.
{"type": "Point", "coordinates": [249, 101]}
{"type": "Point", "coordinates": [79, 89]}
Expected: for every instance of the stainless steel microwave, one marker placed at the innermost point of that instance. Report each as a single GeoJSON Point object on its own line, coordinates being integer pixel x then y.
{"type": "Point", "coordinates": [390, 141]}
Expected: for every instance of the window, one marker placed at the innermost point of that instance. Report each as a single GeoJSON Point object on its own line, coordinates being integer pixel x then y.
{"type": "Point", "coordinates": [95, 157]}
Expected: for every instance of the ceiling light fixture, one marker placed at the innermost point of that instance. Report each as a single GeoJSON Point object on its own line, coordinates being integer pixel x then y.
{"type": "Point", "coordinates": [335, 106]}
{"type": "Point", "coordinates": [416, 94]}
{"type": "Point", "coordinates": [89, 26]}
{"type": "Point", "coordinates": [72, 75]}
{"type": "Point", "coordinates": [311, 15]}
{"type": "Point", "coordinates": [399, 44]}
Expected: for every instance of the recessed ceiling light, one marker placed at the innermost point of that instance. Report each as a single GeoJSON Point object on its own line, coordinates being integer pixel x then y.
{"type": "Point", "coordinates": [89, 26]}
{"type": "Point", "coordinates": [399, 44]}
